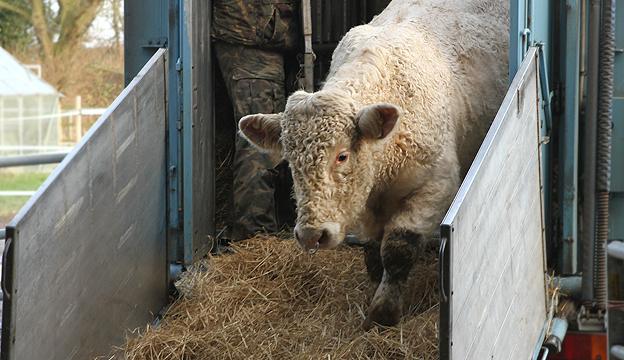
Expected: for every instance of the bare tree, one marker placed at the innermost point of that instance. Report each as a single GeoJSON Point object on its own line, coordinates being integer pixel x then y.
{"type": "Point", "coordinates": [117, 24]}
{"type": "Point", "coordinates": [61, 32]}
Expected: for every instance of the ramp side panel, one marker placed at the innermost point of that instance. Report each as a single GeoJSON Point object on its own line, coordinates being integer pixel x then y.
{"type": "Point", "coordinates": [497, 306]}
{"type": "Point", "coordinates": [199, 138]}
{"type": "Point", "coordinates": [89, 249]}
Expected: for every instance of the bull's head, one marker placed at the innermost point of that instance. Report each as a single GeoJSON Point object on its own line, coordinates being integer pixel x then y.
{"type": "Point", "coordinates": [333, 147]}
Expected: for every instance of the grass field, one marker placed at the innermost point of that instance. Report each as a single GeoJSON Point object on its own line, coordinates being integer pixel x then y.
{"type": "Point", "coordinates": [9, 205]}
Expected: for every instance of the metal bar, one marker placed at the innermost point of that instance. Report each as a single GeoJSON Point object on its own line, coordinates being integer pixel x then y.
{"type": "Point", "coordinates": [186, 117]}
{"type": "Point", "coordinates": [2, 234]}
{"type": "Point", "coordinates": [583, 53]}
{"type": "Point", "coordinates": [34, 148]}
{"type": "Point", "coordinates": [558, 331]}
{"type": "Point", "coordinates": [26, 160]}
{"type": "Point", "coordinates": [13, 193]}
{"type": "Point", "coordinates": [545, 90]}
{"type": "Point", "coordinates": [616, 249]}
{"type": "Point", "coordinates": [174, 128]}
{"type": "Point", "coordinates": [308, 65]}
{"type": "Point", "coordinates": [570, 140]}
{"type": "Point", "coordinates": [446, 303]}
{"type": "Point", "coordinates": [569, 285]}
{"type": "Point", "coordinates": [517, 25]}
{"type": "Point", "coordinates": [617, 351]}
{"type": "Point", "coordinates": [606, 79]}
{"type": "Point", "coordinates": [589, 153]}
{"type": "Point", "coordinates": [70, 113]}
{"type": "Point", "coordinates": [545, 134]}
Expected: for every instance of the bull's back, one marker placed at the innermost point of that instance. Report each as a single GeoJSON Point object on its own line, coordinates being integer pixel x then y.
{"type": "Point", "coordinates": [472, 35]}
{"type": "Point", "coordinates": [467, 40]}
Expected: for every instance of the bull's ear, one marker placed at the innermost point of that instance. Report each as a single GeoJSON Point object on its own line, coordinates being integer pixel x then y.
{"type": "Point", "coordinates": [378, 120]}
{"type": "Point", "coordinates": [262, 130]}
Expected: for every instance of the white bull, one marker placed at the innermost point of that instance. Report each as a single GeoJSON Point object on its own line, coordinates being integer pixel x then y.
{"type": "Point", "coordinates": [381, 148]}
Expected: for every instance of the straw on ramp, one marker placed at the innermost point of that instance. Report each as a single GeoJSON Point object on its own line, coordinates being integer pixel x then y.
{"type": "Point", "coordinates": [270, 300]}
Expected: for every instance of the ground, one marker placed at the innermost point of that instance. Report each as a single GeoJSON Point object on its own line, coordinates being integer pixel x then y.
{"type": "Point", "coordinates": [10, 205]}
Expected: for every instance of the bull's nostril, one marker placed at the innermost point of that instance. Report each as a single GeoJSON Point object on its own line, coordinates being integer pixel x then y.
{"type": "Point", "coordinates": [312, 237]}
{"type": "Point", "coordinates": [324, 237]}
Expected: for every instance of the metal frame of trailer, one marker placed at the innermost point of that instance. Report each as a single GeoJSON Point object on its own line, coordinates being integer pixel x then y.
{"type": "Point", "coordinates": [183, 27]}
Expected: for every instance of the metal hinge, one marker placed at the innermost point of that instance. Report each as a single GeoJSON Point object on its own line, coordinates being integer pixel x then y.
{"type": "Point", "coordinates": [178, 65]}
{"type": "Point", "coordinates": [546, 94]}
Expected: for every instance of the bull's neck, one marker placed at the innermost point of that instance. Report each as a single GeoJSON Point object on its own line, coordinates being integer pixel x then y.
{"type": "Point", "coordinates": [362, 82]}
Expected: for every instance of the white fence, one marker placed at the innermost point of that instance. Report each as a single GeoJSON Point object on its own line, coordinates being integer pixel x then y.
{"type": "Point", "coordinates": [54, 132]}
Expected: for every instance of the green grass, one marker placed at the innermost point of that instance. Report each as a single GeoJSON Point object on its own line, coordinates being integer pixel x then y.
{"type": "Point", "coordinates": [9, 205]}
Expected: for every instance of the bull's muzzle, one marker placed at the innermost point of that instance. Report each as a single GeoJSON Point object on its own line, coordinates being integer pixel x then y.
{"type": "Point", "coordinates": [321, 237]}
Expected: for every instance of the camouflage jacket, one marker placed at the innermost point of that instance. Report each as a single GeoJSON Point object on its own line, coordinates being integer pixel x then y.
{"type": "Point", "coordinates": [269, 24]}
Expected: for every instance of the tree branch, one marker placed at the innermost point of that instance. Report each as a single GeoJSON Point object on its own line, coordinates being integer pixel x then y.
{"type": "Point", "coordinates": [117, 24]}
{"type": "Point", "coordinates": [15, 9]}
{"type": "Point", "coordinates": [75, 22]}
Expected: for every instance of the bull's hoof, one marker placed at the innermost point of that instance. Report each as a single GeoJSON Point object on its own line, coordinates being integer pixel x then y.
{"type": "Point", "coordinates": [383, 313]}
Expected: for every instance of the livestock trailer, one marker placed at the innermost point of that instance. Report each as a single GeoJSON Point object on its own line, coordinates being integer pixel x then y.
{"type": "Point", "coordinates": [94, 252]}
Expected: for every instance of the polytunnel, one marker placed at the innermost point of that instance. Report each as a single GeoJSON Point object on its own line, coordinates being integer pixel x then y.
{"type": "Point", "coordinates": [29, 109]}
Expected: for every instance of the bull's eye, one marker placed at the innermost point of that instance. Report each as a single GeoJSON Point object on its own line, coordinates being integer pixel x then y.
{"type": "Point", "coordinates": [342, 157]}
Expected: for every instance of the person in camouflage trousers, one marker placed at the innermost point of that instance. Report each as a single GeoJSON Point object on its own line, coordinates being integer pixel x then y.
{"type": "Point", "coordinates": [250, 40]}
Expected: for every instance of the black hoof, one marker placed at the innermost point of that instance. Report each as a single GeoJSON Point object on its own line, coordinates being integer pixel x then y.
{"type": "Point", "coordinates": [387, 313]}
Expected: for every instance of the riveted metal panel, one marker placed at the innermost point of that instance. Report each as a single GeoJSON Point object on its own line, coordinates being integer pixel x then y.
{"type": "Point", "coordinates": [198, 129]}
{"type": "Point", "coordinates": [145, 30]}
{"type": "Point", "coordinates": [86, 256]}
{"type": "Point", "coordinates": [494, 291]}
{"type": "Point", "coordinates": [569, 138]}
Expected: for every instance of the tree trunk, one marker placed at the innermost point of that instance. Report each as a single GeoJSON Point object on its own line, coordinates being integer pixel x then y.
{"type": "Point", "coordinates": [42, 32]}
{"type": "Point", "coordinates": [117, 25]}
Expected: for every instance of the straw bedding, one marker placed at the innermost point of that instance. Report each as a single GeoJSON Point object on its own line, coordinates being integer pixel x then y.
{"type": "Point", "coordinates": [270, 300]}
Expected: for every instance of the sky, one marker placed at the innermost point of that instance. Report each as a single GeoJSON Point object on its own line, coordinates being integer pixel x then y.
{"type": "Point", "coordinates": [101, 30]}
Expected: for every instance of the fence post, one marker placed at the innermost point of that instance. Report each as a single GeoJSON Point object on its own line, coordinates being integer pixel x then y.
{"type": "Point", "coordinates": [78, 122]}
{"type": "Point", "coordinates": [20, 123]}
{"type": "Point", "coordinates": [2, 121]}
{"type": "Point", "coordinates": [59, 125]}
{"type": "Point", "coordinates": [39, 121]}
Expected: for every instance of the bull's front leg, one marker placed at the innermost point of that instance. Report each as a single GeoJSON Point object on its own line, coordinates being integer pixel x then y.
{"type": "Point", "coordinates": [399, 251]}
{"type": "Point", "coordinates": [372, 259]}
{"type": "Point", "coordinates": [404, 240]}
{"type": "Point", "coordinates": [372, 229]}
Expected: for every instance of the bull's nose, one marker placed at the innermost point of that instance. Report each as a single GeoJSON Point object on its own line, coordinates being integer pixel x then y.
{"type": "Point", "coordinates": [310, 237]}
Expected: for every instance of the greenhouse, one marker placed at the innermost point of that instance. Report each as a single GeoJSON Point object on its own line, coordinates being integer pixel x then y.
{"type": "Point", "coordinates": [29, 110]}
